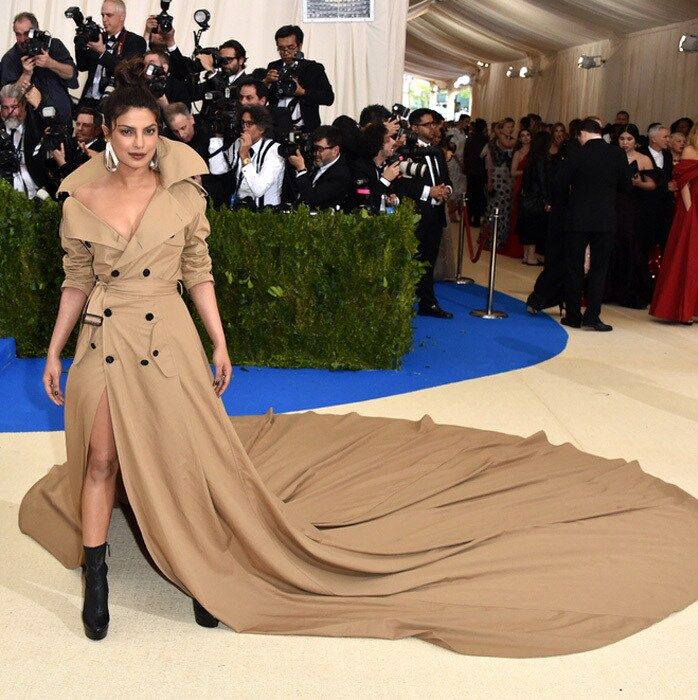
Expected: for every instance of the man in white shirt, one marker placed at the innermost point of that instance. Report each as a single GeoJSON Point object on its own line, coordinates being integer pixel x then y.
{"type": "Point", "coordinates": [253, 161]}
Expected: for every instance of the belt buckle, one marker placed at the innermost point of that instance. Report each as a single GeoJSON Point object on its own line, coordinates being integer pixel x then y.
{"type": "Point", "coordinates": [92, 319]}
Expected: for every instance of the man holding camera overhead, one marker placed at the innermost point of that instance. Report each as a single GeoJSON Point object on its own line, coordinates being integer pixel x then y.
{"type": "Point", "coordinates": [101, 56]}
{"type": "Point", "coordinates": [52, 69]}
{"type": "Point", "coordinates": [296, 83]}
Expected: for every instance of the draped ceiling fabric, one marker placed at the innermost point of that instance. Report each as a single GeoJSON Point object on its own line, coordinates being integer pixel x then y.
{"type": "Point", "coordinates": [644, 73]}
{"type": "Point", "coordinates": [364, 60]}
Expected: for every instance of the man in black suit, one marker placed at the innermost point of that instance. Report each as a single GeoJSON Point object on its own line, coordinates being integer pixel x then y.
{"type": "Point", "coordinates": [370, 173]}
{"type": "Point", "coordinates": [430, 196]}
{"type": "Point", "coordinates": [326, 185]}
{"type": "Point", "coordinates": [661, 199]}
{"type": "Point", "coordinates": [101, 57]}
{"type": "Point", "coordinates": [175, 90]}
{"type": "Point", "coordinates": [312, 87]}
{"type": "Point", "coordinates": [23, 126]}
{"type": "Point", "coordinates": [593, 175]}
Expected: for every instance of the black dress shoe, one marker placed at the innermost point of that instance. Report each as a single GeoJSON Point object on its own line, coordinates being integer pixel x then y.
{"type": "Point", "coordinates": [202, 616]}
{"type": "Point", "coordinates": [95, 610]}
{"type": "Point", "coordinates": [569, 322]}
{"type": "Point", "coordinates": [597, 326]}
{"type": "Point", "coordinates": [434, 310]}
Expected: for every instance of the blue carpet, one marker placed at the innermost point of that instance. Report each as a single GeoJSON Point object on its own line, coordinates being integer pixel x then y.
{"type": "Point", "coordinates": [443, 352]}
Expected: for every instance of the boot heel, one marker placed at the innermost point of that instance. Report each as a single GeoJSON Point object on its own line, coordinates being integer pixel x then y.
{"type": "Point", "coordinates": [202, 616]}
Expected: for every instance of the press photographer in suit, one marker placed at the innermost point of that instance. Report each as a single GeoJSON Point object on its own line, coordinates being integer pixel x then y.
{"type": "Point", "coordinates": [430, 195]}
{"type": "Point", "coordinates": [100, 58]}
{"type": "Point", "coordinates": [326, 184]}
{"type": "Point", "coordinates": [662, 198]}
{"type": "Point", "coordinates": [87, 142]}
{"type": "Point", "coordinates": [593, 175]}
{"type": "Point", "coordinates": [297, 83]}
{"type": "Point", "coordinates": [375, 146]}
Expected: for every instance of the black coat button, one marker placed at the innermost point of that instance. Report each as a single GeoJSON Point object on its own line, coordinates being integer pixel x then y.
{"type": "Point", "coordinates": [107, 312]}
{"type": "Point", "coordinates": [149, 317]}
{"type": "Point", "coordinates": [146, 272]}
{"type": "Point", "coordinates": [88, 244]}
{"type": "Point", "coordinates": [109, 359]}
{"type": "Point", "coordinates": [114, 273]}
{"type": "Point", "coordinates": [144, 362]}
{"type": "Point", "coordinates": [93, 346]}
{"type": "Point", "coordinates": [156, 353]}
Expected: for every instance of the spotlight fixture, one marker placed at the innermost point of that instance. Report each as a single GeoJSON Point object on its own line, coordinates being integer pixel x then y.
{"type": "Point", "coordinates": [589, 62]}
{"type": "Point", "coordinates": [482, 64]}
{"type": "Point", "coordinates": [511, 72]}
{"type": "Point", "coordinates": [462, 81]}
{"type": "Point", "coordinates": [688, 43]}
{"type": "Point", "coordinates": [526, 72]}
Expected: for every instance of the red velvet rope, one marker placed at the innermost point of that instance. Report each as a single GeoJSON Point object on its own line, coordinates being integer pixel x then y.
{"type": "Point", "coordinates": [474, 254]}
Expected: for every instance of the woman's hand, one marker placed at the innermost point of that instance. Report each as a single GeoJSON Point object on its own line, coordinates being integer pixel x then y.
{"type": "Point", "coordinates": [224, 370]}
{"type": "Point", "coordinates": [52, 379]}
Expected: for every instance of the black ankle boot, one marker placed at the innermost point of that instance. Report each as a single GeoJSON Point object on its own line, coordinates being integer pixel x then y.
{"type": "Point", "coordinates": [95, 611]}
{"type": "Point", "coordinates": [202, 616]}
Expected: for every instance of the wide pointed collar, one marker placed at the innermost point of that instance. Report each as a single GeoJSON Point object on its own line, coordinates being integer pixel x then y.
{"type": "Point", "coordinates": [177, 162]}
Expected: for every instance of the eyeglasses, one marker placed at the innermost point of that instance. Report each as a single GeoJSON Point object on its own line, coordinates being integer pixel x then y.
{"type": "Point", "coordinates": [320, 149]}
{"type": "Point", "coordinates": [287, 49]}
{"type": "Point", "coordinates": [228, 59]}
{"type": "Point", "coordinates": [247, 122]}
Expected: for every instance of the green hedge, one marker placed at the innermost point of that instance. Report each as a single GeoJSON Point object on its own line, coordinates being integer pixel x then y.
{"type": "Point", "coordinates": [294, 290]}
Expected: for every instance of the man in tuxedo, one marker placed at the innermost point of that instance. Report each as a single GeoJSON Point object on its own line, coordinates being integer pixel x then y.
{"type": "Point", "coordinates": [661, 199]}
{"type": "Point", "coordinates": [22, 123]}
{"type": "Point", "coordinates": [52, 71]}
{"type": "Point", "coordinates": [312, 87]}
{"type": "Point", "coordinates": [430, 197]}
{"type": "Point", "coordinates": [593, 175]}
{"type": "Point", "coordinates": [87, 143]}
{"type": "Point", "coordinates": [101, 57]}
{"type": "Point", "coordinates": [326, 185]}
{"type": "Point", "coordinates": [230, 75]}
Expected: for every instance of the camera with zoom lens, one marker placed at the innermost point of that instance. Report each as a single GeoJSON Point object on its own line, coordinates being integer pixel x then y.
{"type": "Point", "coordinates": [408, 168]}
{"type": "Point", "coordinates": [37, 42]}
{"type": "Point", "coordinates": [163, 19]}
{"type": "Point", "coordinates": [55, 132]}
{"type": "Point", "coordinates": [218, 61]}
{"type": "Point", "coordinates": [399, 114]}
{"type": "Point", "coordinates": [9, 157]}
{"type": "Point", "coordinates": [220, 113]}
{"type": "Point", "coordinates": [294, 142]}
{"type": "Point", "coordinates": [157, 80]}
{"type": "Point", "coordinates": [86, 29]}
{"type": "Point", "coordinates": [288, 74]}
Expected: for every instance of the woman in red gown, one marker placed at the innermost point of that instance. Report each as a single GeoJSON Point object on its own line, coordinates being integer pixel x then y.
{"type": "Point", "coordinates": [676, 293]}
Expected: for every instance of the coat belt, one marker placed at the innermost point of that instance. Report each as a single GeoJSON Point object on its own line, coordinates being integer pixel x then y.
{"type": "Point", "coordinates": [93, 313]}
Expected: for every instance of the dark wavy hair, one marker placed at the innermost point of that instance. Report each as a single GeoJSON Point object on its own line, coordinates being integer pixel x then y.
{"type": "Point", "coordinates": [371, 140]}
{"type": "Point", "coordinates": [131, 92]}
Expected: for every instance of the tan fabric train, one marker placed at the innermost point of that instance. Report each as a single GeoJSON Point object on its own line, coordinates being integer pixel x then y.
{"type": "Point", "coordinates": [480, 542]}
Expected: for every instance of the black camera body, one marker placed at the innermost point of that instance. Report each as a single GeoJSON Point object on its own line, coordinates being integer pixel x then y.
{"type": "Point", "coordinates": [220, 113]}
{"type": "Point", "coordinates": [55, 132]}
{"type": "Point", "coordinates": [86, 29]}
{"type": "Point", "coordinates": [9, 157]}
{"type": "Point", "coordinates": [163, 19]}
{"type": "Point", "coordinates": [37, 42]}
{"type": "Point", "coordinates": [296, 141]}
{"type": "Point", "coordinates": [157, 80]}
{"type": "Point", "coordinates": [210, 51]}
{"type": "Point", "coordinates": [288, 74]}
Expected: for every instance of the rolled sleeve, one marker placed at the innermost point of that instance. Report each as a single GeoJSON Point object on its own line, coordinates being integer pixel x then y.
{"type": "Point", "coordinates": [77, 264]}
{"type": "Point", "coordinates": [196, 261]}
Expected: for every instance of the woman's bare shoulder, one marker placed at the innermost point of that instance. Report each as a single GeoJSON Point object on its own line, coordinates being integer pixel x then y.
{"type": "Point", "coordinates": [689, 152]}
{"type": "Point", "coordinates": [89, 192]}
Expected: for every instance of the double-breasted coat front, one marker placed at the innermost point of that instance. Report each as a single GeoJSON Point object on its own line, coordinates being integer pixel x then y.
{"type": "Point", "coordinates": [339, 525]}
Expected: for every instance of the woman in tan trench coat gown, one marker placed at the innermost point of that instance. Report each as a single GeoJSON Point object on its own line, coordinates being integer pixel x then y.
{"type": "Point", "coordinates": [480, 542]}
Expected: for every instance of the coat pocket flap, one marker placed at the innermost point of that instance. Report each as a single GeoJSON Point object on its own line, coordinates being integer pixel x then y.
{"type": "Point", "coordinates": [160, 350]}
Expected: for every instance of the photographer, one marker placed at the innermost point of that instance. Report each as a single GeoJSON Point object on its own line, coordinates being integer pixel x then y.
{"type": "Point", "coordinates": [232, 58]}
{"type": "Point", "coordinates": [52, 69]}
{"type": "Point", "coordinates": [430, 195]}
{"type": "Point", "coordinates": [99, 58]}
{"type": "Point", "coordinates": [165, 87]}
{"type": "Point", "coordinates": [253, 161]}
{"type": "Point", "coordinates": [370, 169]}
{"type": "Point", "coordinates": [21, 159]}
{"type": "Point", "coordinates": [327, 184]}
{"type": "Point", "coordinates": [296, 83]}
{"type": "Point", "coordinates": [185, 127]}
{"type": "Point", "coordinates": [87, 142]}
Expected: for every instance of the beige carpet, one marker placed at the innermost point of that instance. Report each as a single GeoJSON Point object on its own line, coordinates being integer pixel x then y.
{"type": "Point", "coordinates": [632, 393]}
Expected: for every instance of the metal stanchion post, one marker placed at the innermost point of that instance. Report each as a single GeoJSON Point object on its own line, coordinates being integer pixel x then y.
{"type": "Point", "coordinates": [460, 278]}
{"type": "Point", "coordinates": [489, 312]}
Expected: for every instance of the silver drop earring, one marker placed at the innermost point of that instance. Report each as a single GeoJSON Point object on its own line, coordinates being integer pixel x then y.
{"type": "Point", "coordinates": [155, 162]}
{"type": "Point", "coordinates": [111, 162]}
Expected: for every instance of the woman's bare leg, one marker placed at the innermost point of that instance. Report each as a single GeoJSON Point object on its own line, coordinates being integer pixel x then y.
{"type": "Point", "coordinates": [99, 485]}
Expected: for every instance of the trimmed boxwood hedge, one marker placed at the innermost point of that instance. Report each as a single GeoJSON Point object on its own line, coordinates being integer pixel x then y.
{"type": "Point", "coordinates": [294, 290]}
